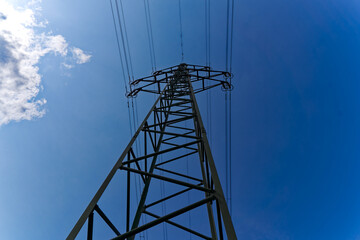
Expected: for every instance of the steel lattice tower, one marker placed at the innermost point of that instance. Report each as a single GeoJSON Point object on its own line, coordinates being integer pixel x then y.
{"type": "Point", "coordinates": [165, 136]}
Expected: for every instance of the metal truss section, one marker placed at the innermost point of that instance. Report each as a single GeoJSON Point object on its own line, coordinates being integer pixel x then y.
{"type": "Point", "coordinates": [171, 132]}
{"type": "Point", "coordinates": [197, 75]}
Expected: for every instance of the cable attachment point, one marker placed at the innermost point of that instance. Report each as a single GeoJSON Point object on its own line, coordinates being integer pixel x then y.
{"type": "Point", "coordinates": [226, 85]}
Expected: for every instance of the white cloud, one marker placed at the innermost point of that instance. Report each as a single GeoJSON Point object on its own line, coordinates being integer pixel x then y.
{"type": "Point", "coordinates": [21, 47]}
{"type": "Point", "coordinates": [68, 66]}
{"type": "Point", "coordinates": [57, 44]}
{"type": "Point", "coordinates": [80, 56]}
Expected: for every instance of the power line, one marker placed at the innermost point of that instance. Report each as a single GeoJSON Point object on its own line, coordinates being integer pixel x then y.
{"type": "Point", "coordinates": [209, 36]}
{"type": "Point", "coordinates": [118, 45]}
{"type": "Point", "coordinates": [230, 118]}
{"type": "Point", "coordinates": [122, 66]}
{"type": "Point", "coordinates": [228, 105]}
{"type": "Point", "coordinates": [138, 142]}
{"type": "Point", "coordinates": [181, 34]}
{"type": "Point", "coordinates": [122, 38]}
{"type": "Point", "coordinates": [207, 32]}
{"type": "Point", "coordinates": [231, 32]}
{"type": "Point", "coordinates": [226, 147]}
{"type": "Point", "coordinates": [208, 63]}
{"type": "Point", "coordinates": [150, 35]}
{"type": "Point", "coordinates": [126, 50]}
{"type": "Point", "coordinates": [127, 40]}
{"type": "Point", "coordinates": [206, 35]}
{"type": "Point", "coordinates": [227, 36]}
{"type": "Point", "coordinates": [132, 110]}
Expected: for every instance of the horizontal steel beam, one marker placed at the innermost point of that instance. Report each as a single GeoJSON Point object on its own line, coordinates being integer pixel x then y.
{"type": "Point", "coordinates": [169, 179]}
{"type": "Point", "coordinates": [173, 121]}
{"type": "Point", "coordinates": [173, 159]}
{"type": "Point", "coordinates": [168, 197]}
{"type": "Point", "coordinates": [164, 218]}
{"type": "Point", "coordinates": [178, 174]}
{"type": "Point", "coordinates": [171, 133]}
{"type": "Point", "coordinates": [173, 144]}
{"type": "Point", "coordinates": [161, 152]}
{"type": "Point", "coordinates": [170, 138]}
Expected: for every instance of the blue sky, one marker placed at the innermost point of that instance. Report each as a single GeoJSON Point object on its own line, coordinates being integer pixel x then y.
{"type": "Point", "coordinates": [295, 113]}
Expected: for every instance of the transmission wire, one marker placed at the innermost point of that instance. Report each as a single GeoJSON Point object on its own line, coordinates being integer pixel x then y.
{"type": "Point", "coordinates": [230, 121]}
{"type": "Point", "coordinates": [206, 34]}
{"type": "Point", "coordinates": [226, 146]}
{"type": "Point", "coordinates": [122, 38]}
{"type": "Point", "coordinates": [122, 63]}
{"type": "Point", "coordinates": [137, 184]}
{"type": "Point", "coordinates": [118, 44]}
{"type": "Point", "coordinates": [181, 34]}
{"type": "Point", "coordinates": [208, 63]}
{"type": "Point", "coordinates": [127, 40]}
{"type": "Point", "coordinates": [231, 38]}
{"type": "Point", "coordinates": [148, 35]}
{"type": "Point", "coordinates": [134, 118]}
{"type": "Point", "coordinates": [126, 49]}
{"type": "Point", "coordinates": [151, 34]}
{"type": "Point", "coordinates": [134, 108]}
{"type": "Point", "coordinates": [209, 32]}
{"type": "Point", "coordinates": [226, 102]}
{"type": "Point", "coordinates": [228, 106]}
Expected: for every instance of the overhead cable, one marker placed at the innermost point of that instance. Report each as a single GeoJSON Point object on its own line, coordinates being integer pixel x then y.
{"type": "Point", "coordinates": [208, 63]}
{"type": "Point", "coordinates": [123, 41]}
{"type": "Point", "coordinates": [118, 45]}
{"type": "Point", "coordinates": [132, 110]}
{"type": "Point", "coordinates": [150, 35]}
{"type": "Point", "coordinates": [228, 106]}
{"type": "Point", "coordinates": [127, 40]}
{"type": "Point", "coordinates": [181, 34]}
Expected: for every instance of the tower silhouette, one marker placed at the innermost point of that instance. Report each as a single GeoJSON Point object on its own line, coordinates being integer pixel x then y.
{"type": "Point", "coordinates": [172, 133]}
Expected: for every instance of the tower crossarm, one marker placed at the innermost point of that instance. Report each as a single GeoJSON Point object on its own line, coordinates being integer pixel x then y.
{"type": "Point", "coordinates": [202, 78]}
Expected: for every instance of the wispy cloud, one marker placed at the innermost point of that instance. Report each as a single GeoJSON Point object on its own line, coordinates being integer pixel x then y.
{"type": "Point", "coordinates": [21, 47]}
{"type": "Point", "coordinates": [80, 56]}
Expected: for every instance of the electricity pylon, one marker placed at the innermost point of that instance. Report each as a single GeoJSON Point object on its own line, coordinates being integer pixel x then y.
{"type": "Point", "coordinates": [172, 133]}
